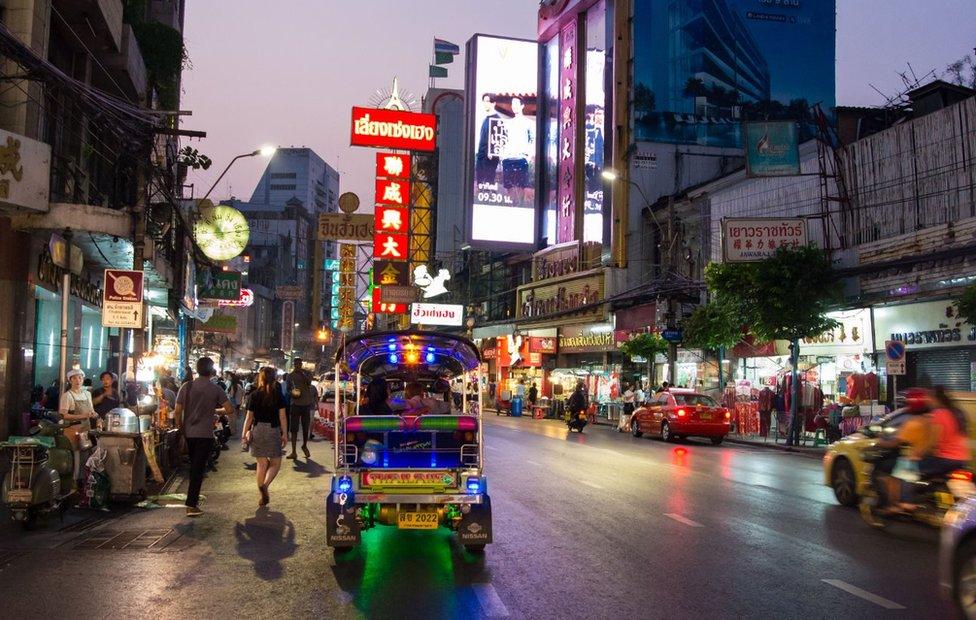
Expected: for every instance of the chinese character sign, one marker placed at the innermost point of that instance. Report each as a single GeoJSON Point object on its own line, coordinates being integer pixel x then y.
{"type": "Point", "coordinates": [390, 246]}
{"type": "Point", "coordinates": [391, 219]}
{"type": "Point", "coordinates": [392, 166]}
{"type": "Point", "coordinates": [395, 193]}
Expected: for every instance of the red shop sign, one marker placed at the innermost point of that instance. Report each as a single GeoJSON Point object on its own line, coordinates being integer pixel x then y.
{"type": "Point", "coordinates": [395, 193]}
{"type": "Point", "coordinates": [390, 246]}
{"type": "Point", "coordinates": [392, 166]}
{"type": "Point", "coordinates": [380, 307]}
{"type": "Point", "coordinates": [542, 345]}
{"type": "Point", "coordinates": [393, 129]}
{"type": "Point", "coordinates": [392, 220]}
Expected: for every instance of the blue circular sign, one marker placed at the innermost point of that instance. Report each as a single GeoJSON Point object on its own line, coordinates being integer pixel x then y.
{"type": "Point", "coordinates": [895, 350]}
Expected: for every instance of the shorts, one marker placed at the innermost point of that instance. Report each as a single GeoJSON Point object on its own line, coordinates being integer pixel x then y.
{"type": "Point", "coordinates": [515, 173]}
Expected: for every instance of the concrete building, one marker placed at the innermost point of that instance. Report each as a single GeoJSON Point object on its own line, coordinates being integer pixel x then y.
{"type": "Point", "coordinates": [298, 173]}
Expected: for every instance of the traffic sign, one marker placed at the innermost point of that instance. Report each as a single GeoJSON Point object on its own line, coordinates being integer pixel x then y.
{"type": "Point", "coordinates": [122, 298]}
{"type": "Point", "coordinates": [672, 335]}
{"type": "Point", "coordinates": [895, 357]}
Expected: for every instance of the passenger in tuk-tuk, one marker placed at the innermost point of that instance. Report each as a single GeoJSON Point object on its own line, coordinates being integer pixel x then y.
{"type": "Point", "coordinates": [416, 403]}
{"type": "Point", "coordinates": [377, 395]}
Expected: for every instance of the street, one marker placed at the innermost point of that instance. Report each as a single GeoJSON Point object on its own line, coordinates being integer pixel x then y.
{"type": "Point", "coordinates": [601, 525]}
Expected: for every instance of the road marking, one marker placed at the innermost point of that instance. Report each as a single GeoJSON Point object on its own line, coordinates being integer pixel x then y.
{"type": "Point", "coordinates": [592, 484]}
{"type": "Point", "coordinates": [858, 592]}
{"type": "Point", "coordinates": [684, 520]}
{"type": "Point", "coordinates": [491, 604]}
{"type": "Point", "coordinates": [531, 462]}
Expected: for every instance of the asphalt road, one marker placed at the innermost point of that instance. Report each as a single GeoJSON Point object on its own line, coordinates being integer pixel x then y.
{"type": "Point", "coordinates": [601, 525]}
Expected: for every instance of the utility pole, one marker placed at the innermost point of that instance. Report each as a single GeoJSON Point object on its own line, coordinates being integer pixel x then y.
{"type": "Point", "coordinates": [667, 264]}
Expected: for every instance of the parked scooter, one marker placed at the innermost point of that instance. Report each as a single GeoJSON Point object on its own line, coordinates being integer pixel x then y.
{"type": "Point", "coordinates": [933, 496]}
{"type": "Point", "coordinates": [40, 479]}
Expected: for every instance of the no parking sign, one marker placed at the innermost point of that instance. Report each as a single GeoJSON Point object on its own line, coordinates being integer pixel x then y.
{"type": "Point", "coordinates": [895, 357]}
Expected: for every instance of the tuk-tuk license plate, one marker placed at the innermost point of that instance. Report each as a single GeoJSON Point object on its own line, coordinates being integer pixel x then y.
{"type": "Point", "coordinates": [417, 521]}
{"type": "Point", "coordinates": [19, 495]}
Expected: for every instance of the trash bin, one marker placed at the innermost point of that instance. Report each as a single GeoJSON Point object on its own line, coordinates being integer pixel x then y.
{"type": "Point", "coordinates": [125, 463]}
{"type": "Point", "coordinates": [517, 407]}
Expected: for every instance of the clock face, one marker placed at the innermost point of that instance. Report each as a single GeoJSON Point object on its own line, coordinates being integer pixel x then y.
{"type": "Point", "coordinates": [223, 233]}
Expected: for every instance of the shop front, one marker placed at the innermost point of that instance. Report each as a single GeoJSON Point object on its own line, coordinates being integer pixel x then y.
{"type": "Point", "coordinates": [940, 345]}
{"type": "Point", "coordinates": [590, 352]}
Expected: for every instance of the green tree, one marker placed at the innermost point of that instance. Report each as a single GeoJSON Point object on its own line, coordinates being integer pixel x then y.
{"type": "Point", "coordinates": [712, 326]}
{"type": "Point", "coordinates": [966, 304]}
{"type": "Point", "coordinates": [646, 346]}
{"type": "Point", "coordinates": [784, 297]}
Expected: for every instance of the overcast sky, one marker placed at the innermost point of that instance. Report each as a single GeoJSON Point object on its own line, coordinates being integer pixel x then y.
{"type": "Point", "coordinates": [287, 72]}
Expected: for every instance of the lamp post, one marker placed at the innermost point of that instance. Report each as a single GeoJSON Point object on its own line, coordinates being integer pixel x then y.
{"type": "Point", "coordinates": [667, 266]}
{"type": "Point", "coordinates": [264, 151]}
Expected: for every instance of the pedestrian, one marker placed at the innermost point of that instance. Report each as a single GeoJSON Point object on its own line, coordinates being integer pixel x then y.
{"type": "Point", "coordinates": [665, 386]}
{"type": "Point", "coordinates": [301, 399]}
{"type": "Point", "coordinates": [187, 375]}
{"type": "Point", "coordinates": [264, 430]}
{"type": "Point", "coordinates": [235, 393]}
{"type": "Point", "coordinates": [628, 399]}
{"type": "Point", "coordinates": [196, 405]}
{"type": "Point", "coordinates": [106, 397]}
{"type": "Point", "coordinates": [533, 394]}
{"type": "Point", "coordinates": [639, 395]}
{"type": "Point", "coordinates": [75, 407]}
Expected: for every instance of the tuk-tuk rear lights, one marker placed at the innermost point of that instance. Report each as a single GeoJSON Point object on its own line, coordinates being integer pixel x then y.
{"type": "Point", "coordinates": [344, 484]}
{"type": "Point", "coordinates": [474, 485]}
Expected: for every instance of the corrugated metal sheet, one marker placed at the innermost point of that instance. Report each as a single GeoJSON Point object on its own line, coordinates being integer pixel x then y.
{"type": "Point", "coordinates": [948, 368]}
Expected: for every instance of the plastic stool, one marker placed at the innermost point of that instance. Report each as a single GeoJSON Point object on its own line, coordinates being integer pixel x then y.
{"type": "Point", "coordinates": [819, 438]}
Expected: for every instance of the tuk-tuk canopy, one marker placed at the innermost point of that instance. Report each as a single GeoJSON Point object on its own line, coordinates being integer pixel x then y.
{"type": "Point", "coordinates": [408, 352]}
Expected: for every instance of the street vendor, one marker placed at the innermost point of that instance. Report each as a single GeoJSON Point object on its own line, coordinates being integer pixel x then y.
{"type": "Point", "coordinates": [76, 402]}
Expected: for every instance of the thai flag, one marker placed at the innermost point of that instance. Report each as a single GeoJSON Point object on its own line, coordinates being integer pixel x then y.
{"type": "Point", "coordinates": [440, 45]}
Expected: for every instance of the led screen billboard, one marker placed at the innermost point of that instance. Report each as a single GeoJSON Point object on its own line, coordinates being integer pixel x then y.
{"type": "Point", "coordinates": [503, 75]}
{"type": "Point", "coordinates": [702, 67]}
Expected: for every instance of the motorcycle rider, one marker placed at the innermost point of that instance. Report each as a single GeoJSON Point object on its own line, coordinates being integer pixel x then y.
{"type": "Point", "coordinates": [576, 405]}
{"type": "Point", "coordinates": [948, 438]}
{"type": "Point", "coordinates": [912, 434]}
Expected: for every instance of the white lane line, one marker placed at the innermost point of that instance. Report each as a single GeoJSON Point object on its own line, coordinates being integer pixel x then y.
{"type": "Point", "coordinates": [592, 484]}
{"type": "Point", "coordinates": [491, 604]}
{"type": "Point", "coordinates": [684, 520]}
{"type": "Point", "coordinates": [858, 592]}
{"type": "Point", "coordinates": [533, 463]}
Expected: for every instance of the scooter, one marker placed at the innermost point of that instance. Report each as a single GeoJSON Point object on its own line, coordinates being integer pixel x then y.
{"type": "Point", "coordinates": [577, 421]}
{"type": "Point", "coordinates": [933, 496]}
{"type": "Point", "coordinates": [40, 477]}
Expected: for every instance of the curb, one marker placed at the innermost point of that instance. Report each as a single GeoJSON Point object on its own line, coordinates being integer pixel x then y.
{"type": "Point", "coordinates": [814, 453]}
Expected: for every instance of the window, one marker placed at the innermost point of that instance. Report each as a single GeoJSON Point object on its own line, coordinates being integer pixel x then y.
{"type": "Point", "coordinates": [694, 400]}
{"type": "Point", "coordinates": [282, 187]}
{"type": "Point", "coordinates": [283, 175]}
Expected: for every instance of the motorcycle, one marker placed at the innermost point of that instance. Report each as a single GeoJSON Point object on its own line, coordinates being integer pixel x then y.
{"type": "Point", "coordinates": [577, 421]}
{"type": "Point", "coordinates": [933, 496]}
{"type": "Point", "coordinates": [40, 477]}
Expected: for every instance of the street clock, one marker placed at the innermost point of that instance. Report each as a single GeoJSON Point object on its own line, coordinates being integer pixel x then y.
{"type": "Point", "coordinates": [221, 232]}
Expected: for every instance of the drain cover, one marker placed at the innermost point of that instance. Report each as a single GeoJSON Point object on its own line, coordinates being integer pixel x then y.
{"type": "Point", "coordinates": [117, 540]}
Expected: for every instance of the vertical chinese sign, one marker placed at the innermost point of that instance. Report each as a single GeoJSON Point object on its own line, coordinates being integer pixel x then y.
{"type": "Point", "coordinates": [566, 212]}
{"type": "Point", "coordinates": [391, 245]}
{"type": "Point", "coordinates": [347, 286]}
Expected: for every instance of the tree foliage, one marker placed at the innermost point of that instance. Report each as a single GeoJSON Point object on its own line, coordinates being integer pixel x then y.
{"type": "Point", "coordinates": [645, 346]}
{"type": "Point", "coordinates": [966, 304]}
{"type": "Point", "coordinates": [785, 297]}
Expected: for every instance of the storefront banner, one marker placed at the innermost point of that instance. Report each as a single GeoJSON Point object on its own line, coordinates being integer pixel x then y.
{"type": "Point", "coordinates": [437, 314]}
{"type": "Point", "coordinates": [345, 227]}
{"type": "Point", "coordinates": [557, 300]}
{"type": "Point", "coordinates": [25, 172]}
{"type": "Point", "coordinates": [220, 324]}
{"type": "Point", "coordinates": [590, 339]}
{"type": "Point", "coordinates": [543, 345]}
{"type": "Point", "coordinates": [220, 286]}
{"type": "Point", "coordinates": [852, 335]}
{"type": "Point", "coordinates": [747, 240]}
{"type": "Point", "coordinates": [564, 259]}
{"type": "Point", "coordinates": [925, 325]}
{"type": "Point", "coordinates": [393, 129]}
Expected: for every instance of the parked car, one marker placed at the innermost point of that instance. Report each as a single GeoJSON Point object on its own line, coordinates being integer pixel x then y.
{"type": "Point", "coordinates": [679, 413]}
{"type": "Point", "coordinates": [845, 470]}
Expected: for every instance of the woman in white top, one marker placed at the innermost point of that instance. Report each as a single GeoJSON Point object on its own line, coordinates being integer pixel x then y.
{"type": "Point", "coordinates": [76, 403]}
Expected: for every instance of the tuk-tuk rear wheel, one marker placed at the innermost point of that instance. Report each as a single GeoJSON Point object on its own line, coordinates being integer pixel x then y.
{"type": "Point", "coordinates": [474, 548]}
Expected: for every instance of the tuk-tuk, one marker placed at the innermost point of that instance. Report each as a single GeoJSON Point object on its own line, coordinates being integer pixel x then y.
{"type": "Point", "coordinates": [411, 468]}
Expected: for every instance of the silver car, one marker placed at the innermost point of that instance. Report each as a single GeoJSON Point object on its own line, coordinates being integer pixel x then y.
{"type": "Point", "coordinates": [957, 556]}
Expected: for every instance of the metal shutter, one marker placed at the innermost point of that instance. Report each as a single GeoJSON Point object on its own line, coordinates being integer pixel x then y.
{"type": "Point", "coordinates": [949, 368]}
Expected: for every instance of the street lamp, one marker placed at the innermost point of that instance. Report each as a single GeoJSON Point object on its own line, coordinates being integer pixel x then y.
{"type": "Point", "coordinates": [264, 151]}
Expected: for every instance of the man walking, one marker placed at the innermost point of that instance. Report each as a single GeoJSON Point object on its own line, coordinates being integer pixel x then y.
{"type": "Point", "coordinates": [196, 407]}
{"type": "Point", "coordinates": [302, 397]}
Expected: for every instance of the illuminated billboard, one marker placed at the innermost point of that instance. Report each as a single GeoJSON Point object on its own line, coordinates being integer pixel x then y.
{"type": "Point", "coordinates": [702, 68]}
{"type": "Point", "coordinates": [503, 77]}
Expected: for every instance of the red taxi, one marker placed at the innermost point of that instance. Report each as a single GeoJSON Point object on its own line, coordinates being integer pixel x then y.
{"type": "Point", "coordinates": [680, 413]}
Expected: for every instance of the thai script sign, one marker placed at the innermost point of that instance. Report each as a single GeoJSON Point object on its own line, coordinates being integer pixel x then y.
{"type": "Point", "coordinates": [582, 294]}
{"type": "Point", "coordinates": [122, 298]}
{"type": "Point", "coordinates": [437, 314]}
{"type": "Point", "coordinates": [564, 259]}
{"type": "Point", "coordinates": [222, 285]}
{"type": "Point", "coordinates": [345, 227]}
{"type": "Point", "coordinates": [393, 129]}
{"type": "Point", "coordinates": [747, 240]}
{"type": "Point", "coordinates": [51, 274]}
{"type": "Point", "coordinates": [772, 149]}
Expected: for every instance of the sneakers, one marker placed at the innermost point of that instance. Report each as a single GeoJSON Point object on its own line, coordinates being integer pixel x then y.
{"type": "Point", "coordinates": [193, 511]}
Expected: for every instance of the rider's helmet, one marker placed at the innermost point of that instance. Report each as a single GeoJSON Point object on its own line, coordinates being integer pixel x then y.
{"type": "Point", "coordinates": [917, 400]}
